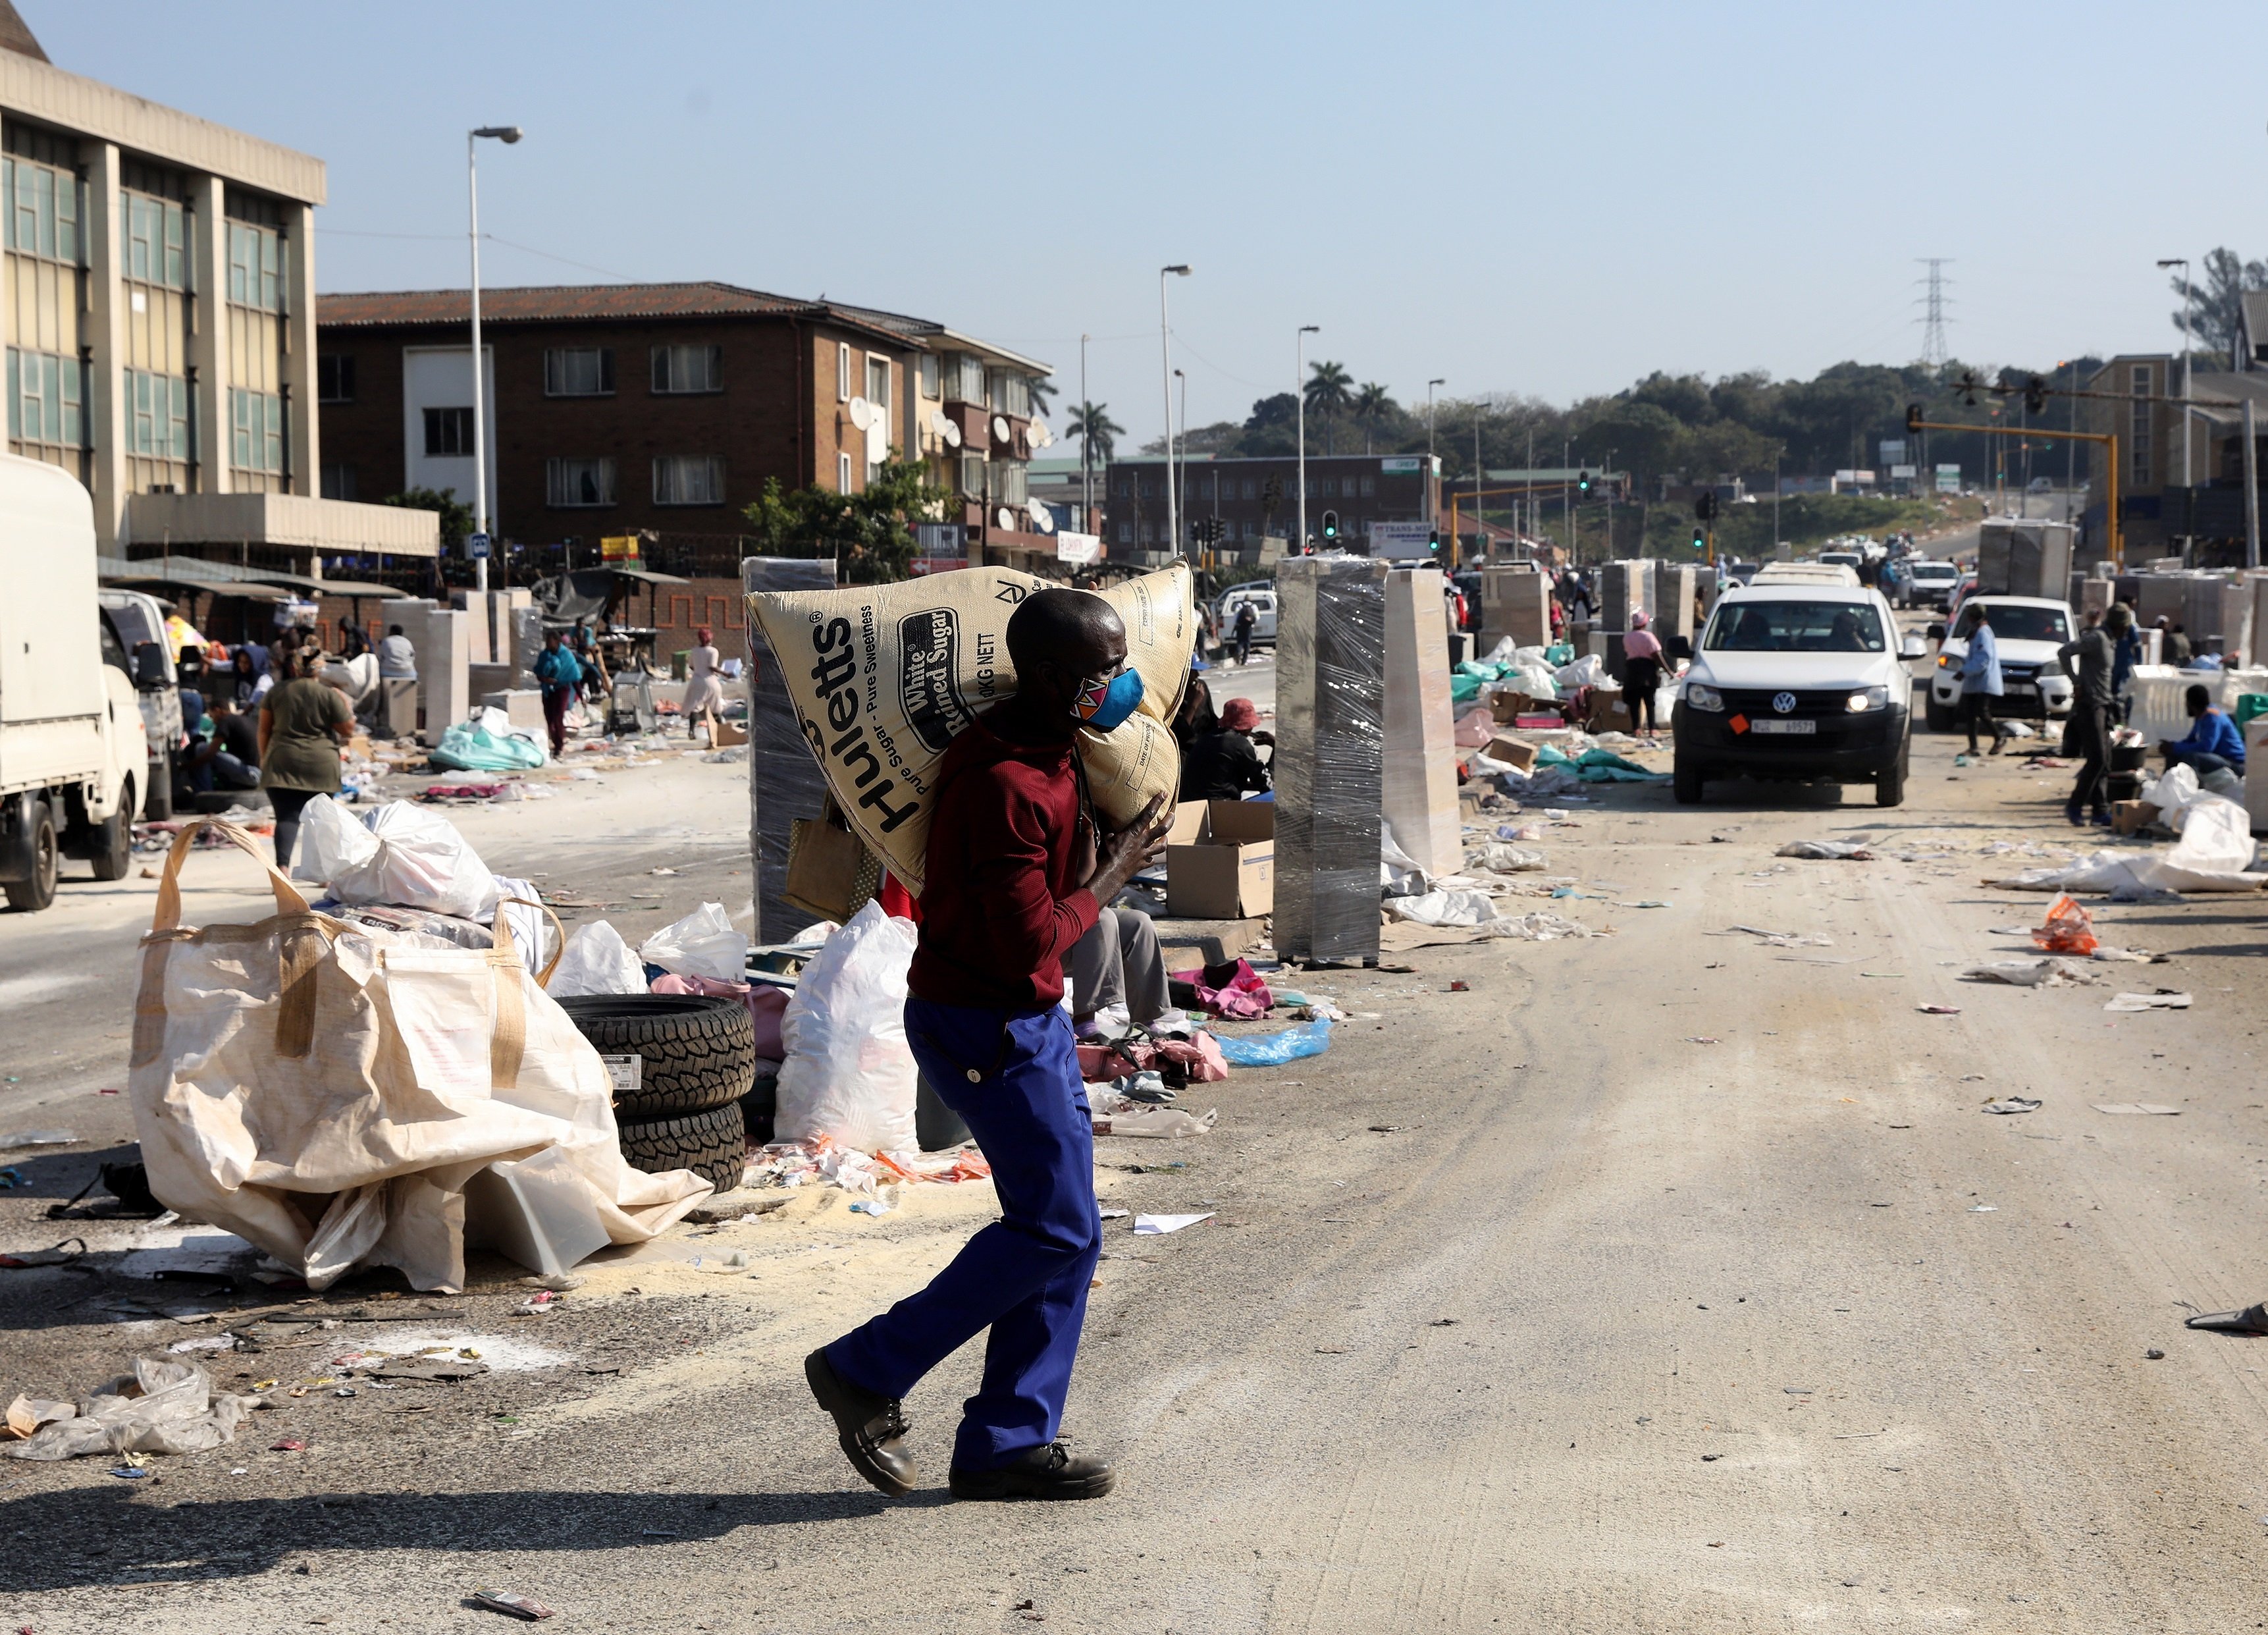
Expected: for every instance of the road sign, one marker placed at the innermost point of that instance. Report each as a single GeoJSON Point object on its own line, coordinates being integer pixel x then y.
{"type": "Point", "coordinates": [1402, 465]}
{"type": "Point", "coordinates": [1893, 451]}
{"type": "Point", "coordinates": [1948, 479]}
{"type": "Point", "coordinates": [1400, 538]}
{"type": "Point", "coordinates": [618, 548]}
{"type": "Point", "coordinates": [476, 546]}
{"type": "Point", "coordinates": [1079, 551]}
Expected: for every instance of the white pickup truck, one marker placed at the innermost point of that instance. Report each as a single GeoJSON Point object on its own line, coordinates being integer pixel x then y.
{"type": "Point", "coordinates": [72, 743]}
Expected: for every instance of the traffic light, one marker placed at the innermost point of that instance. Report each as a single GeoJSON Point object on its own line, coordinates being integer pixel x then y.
{"type": "Point", "coordinates": [1700, 539]}
{"type": "Point", "coordinates": [1583, 483]}
{"type": "Point", "coordinates": [1913, 417]}
{"type": "Point", "coordinates": [2035, 395]}
{"type": "Point", "coordinates": [1704, 505]}
{"type": "Point", "coordinates": [1434, 542]}
{"type": "Point", "coordinates": [1331, 525]}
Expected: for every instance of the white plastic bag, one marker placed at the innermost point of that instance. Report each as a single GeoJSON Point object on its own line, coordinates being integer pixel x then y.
{"type": "Point", "coordinates": [331, 842]}
{"type": "Point", "coordinates": [703, 944]}
{"type": "Point", "coordinates": [596, 960]}
{"type": "Point", "coordinates": [849, 1075]}
{"type": "Point", "coordinates": [1588, 671]}
{"type": "Point", "coordinates": [420, 862]}
{"type": "Point", "coordinates": [164, 1407]}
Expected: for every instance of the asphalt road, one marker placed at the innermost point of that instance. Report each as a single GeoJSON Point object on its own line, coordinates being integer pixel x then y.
{"type": "Point", "coordinates": [1663, 1281]}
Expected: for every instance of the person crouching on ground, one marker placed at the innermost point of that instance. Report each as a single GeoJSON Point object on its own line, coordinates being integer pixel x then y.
{"type": "Point", "coordinates": [2213, 745]}
{"type": "Point", "coordinates": [1222, 764]}
{"type": "Point", "coordinates": [558, 672]}
{"type": "Point", "coordinates": [1019, 866]}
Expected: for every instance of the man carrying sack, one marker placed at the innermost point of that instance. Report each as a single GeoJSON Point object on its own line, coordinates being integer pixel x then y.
{"type": "Point", "coordinates": [1017, 866]}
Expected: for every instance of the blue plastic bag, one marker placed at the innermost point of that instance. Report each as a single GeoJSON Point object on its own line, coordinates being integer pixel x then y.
{"type": "Point", "coordinates": [470, 747]}
{"type": "Point", "coordinates": [1274, 1049]}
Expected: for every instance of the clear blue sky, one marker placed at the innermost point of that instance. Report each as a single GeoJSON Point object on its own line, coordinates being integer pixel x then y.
{"type": "Point", "coordinates": [1545, 199]}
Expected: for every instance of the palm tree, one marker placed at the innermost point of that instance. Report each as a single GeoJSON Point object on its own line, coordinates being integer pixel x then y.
{"type": "Point", "coordinates": [1096, 431]}
{"type": "Point", "coordinates": [1372, 404]}
{"type": "Point", "coordinates": [1327, 395]}
{"type": "Point", "coordinates": [1041, 391]}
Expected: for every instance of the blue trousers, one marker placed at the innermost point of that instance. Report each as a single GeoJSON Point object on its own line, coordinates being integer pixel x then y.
{"type": "Point", "coordinates": [1026, 1276]}
{"type": "Point", "coordinates": [2203, 763]}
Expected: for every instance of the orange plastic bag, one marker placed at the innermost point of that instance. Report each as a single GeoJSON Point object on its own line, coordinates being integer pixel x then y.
{"type": "Point", "coordinates": [2069, 929]}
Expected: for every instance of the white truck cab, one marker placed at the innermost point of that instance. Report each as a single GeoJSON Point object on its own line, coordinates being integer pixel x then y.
{"type": "Point", "coordinates": [73, 748]}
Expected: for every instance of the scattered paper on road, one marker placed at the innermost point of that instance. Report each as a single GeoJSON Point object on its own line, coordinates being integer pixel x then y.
{"type": "Point", "coordinates": [2147, 1109]}
{"type": "Point", "coordinates": [1158, 1225]}
{"type": "Point", "coordinates": [2149, 1002]}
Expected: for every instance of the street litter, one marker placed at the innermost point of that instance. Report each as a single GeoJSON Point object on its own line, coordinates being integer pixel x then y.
{"type": "Point", "coordinates": [162, 1407]}
{"type": "Point", "coordinates": [2160, 1001]}
{"type": "Point", "coordinates": [1157, 1122]}
{"type": "Point", "coordinates": [704, 943]}
{"type": "Point", "coordinates": [1500, 859]}
{"type": "Point", "coordinates": [596, 960]}
{"type": "Point", "coordinates": [2048, 973]}
{"type": "Point", "coordinates": [2252, 1320]}
{"type": "Point", "coordinates": [1158, 1225]}
{"type": "Point", "coordinates": [1938, 1010]}
{"type": "Point", "coordinates": [2013, 1104]}
{"type": "Point", "coordinates": [2214, 853]}
{"type": "Point", "coordinates": [509, 1601]}
{"type": "Point", "coordinates": [2068, 929]}
{"type": "Point", "coordinates": [2149, 1109]}
{"type": "Point", "coordinates": [1443, 907]}
{"type": "Point", "coordinates": [1781, 938]}
{"type": "Point", "coordinates": [849, 1075]}
{"type": "Point", "coordinates": [1541, 926]}
{"type": "Point", "coordinates": [1843, 850]}
{"type": "Point", "coordinates": [1274, 1050]}
{"type": "Point", "coordinates": [37, 1137]}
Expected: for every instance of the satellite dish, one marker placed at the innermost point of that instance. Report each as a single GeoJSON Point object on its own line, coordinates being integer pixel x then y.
{"type": "Point", "coordinates": [939, 425]}
{"type": "Point", "coordinates": [952, 435]}
{"type": "Point", "coordinates": [862, 413]}
{"type": "Point", "coordinates": [999, 428]}
{"type": "Point", "coordinates": [1042, 437]}
{"type": "Point", "coordinates": [1042, 519]}
{"type": "Point", "coordinates": [1007, 520]}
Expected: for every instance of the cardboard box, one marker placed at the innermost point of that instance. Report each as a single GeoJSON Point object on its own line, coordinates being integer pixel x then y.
{"type": "Point", "coordinates": [1608, 713]}
{"type": "Point", "coordinates": [2131, 817]}
{"type": "Point", "coordinates": [1514, 752]}
{"type": "Point", "coordinates": [1221, 859]}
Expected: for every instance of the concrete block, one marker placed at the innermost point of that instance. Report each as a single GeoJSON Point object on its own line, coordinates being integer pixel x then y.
{"type": "Point", "coordinates": [1671, 609]}
{"type": "Point", "coordinates": [527, 641]}
{"type": "Point", "coordinates": [1420, 786]}
{"type": "Point", "coordinates": [483, 678]}
{"type": "Point", "coordinates": [1330, 664]}
{"type": "Point", "coordinates": [442, 662]}
{"type": "Point", "coordinates": [474, 606]}
{"type": "Point", "coordinates": [525, 706]}
{"type": "Point", "coordinates": [1515, 602]}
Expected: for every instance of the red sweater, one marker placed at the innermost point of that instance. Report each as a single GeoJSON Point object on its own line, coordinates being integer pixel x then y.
{"type": "Point", "coordinates": [1002, 905]}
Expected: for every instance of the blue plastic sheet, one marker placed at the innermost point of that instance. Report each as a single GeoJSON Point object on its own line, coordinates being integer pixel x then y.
{"type": "Point", "coordinates": [1274, 1049]}
{"type": "Point", "coordinates": [470, 747]}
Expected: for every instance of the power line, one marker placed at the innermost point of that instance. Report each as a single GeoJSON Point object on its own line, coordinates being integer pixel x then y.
{"type": "Point", "coordinates": [1933, 350]}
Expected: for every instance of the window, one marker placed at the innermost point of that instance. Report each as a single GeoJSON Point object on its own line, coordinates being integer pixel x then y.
{"type": "Point", "coordinates": [157, 417]}
{"type": "Point", "coordinates": [842, 474]}
{"type": "Point", "coordinates": [964, 378]}
{"type": "Point", "coordinates": [1125, 534]}
{"type": "Point", "coordinates": [255, 266]}
{"type": "Point", "coordinates": [878, 380]}
{"type": "Point", "coordinates": [338, 481]}
{"type": "Point", "coordinates": [1824, 627]}
{"type": "Point", "coordinates": [1007, 482]}
{"type": "Point", "coordinates": [1251, 489]}
{"type": "Point", "coordinates": [44, 398]}
{"type": "Point", "coordinates": [2013, 622]}
{"type": "Point", "coordinates": [256, 419]}
{"type": "Point", "coordinates": [689, 480]}
{"type": "Point", "coordinates": [570, 483]}
{"type": "Point", "coordinates": [578, 372]}
{"type": "Point", "coordinates": [335, 377]}
{"type": "Point", "coordinates": [972, 476]}
{"type": "Point", "coordinates": [156, 240]}
{"type": "Point", "coordinates": [841, 372]}
{"type": "Point", "coordinates": [42, 211]}
{"type": "Point", "coordinates": [448, 431]}
{"type": "Point", "coordinates": [929, 374]}
{"type": "Point", "coordinates": [1369, 487]}
{"type": "Point", "coordinates": [688, 368]}
{"type": "Point", "coordinates": [2138, 436]}
{"type": "Point", "coordinates": [1011, 393]}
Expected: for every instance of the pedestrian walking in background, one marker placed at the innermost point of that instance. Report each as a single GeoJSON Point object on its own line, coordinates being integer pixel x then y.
{"type": "Point", "coordinates": [1246, 618]}
{"type": "Point", "coordinates": [1018, 867]}
{"type": "Point", "coordinates": [559, 674]}
{"type": "Point", "coordinates": [2126, 653]}
{"type": "Point", "coordinates": [1641, 672]}
{"type": "Point", "coordinates": [2094, 652]}
{"type": "Point", "coordinates": [1981, 681]}
{"type": "Point", "coordinates": [302, 724]}
{"type": "Point", "coordinates": [704, 691]}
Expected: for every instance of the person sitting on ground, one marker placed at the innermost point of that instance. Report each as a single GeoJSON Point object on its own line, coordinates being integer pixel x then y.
{"type": "Point", "coordinates": [1195, 719]}
{"type": "Point", "coordinates": [226, 756]}
{"type": "Point", "coordinates": [1980, 679]}
{"type": "Point", "coordinates": [559, 674]}
{"type": "Point", "coordinates": [1221, 765]}
{"type": "Point", "coordinates": [1117, 963]}
{"type": "Point", "coordinates": [397, 656]}
{"type": "Point", "coordinates": [1642, 667]}
{"type": "Point", "coordinates": [2213, 745]}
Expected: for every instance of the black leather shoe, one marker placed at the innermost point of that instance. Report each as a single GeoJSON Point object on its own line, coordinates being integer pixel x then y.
{"type": "Point", "coordinates": [872, 1429]}
{"type": "Point", "coordinates": [1049, 1472]}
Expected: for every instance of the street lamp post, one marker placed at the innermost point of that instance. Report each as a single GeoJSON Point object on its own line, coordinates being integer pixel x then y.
{"type": "Point", "coordinates": [2189, 516]}
{"type": "Point", "coordinates": [1165, 378]}
{"type": "Point", "coordinates": [1300, 397]}
{"type": "Point", "coordinates": [1183, 494]}
{"type": "Point", "coordinates": [1432, 498]}
{"type": "Point", "coordinates": [1085, 447]}
{"type": "Point", "coordinates": [506, 134]}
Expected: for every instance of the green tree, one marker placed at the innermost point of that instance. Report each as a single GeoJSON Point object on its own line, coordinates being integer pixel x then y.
{"type": "Point", "coordinates": [2220, 296]}
{"type": "Point", "coordinates": [1328, 394]}
{"type": "Point", "coordinates": [869, 533]}
{"type": "Point", "coordinates": [1374, 405]}
{"type": "Point", "coordinates": [1042, 392]}
{"type": "Point", "coordinates": [1097, 433]}
{"type": "Point", "coordinates": [456, 516]}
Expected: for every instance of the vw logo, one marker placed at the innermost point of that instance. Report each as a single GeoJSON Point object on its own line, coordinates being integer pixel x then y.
{"type": "Point", "coordinates": [1783, 702]}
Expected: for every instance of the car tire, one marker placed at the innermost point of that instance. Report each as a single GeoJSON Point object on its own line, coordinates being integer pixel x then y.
{"type": "Point", "coordinates": [695, 1053]}
{"type": "Point", "coordinates": [1890, 784]}
{"type": "Point", "coordinates": [1939, 716]}
{"type": "Point", "coordinates": [110, 844]}
{"type": "Point", "coordinates": [29, 896]}
{"type": "Point", "coordinates": [1685, 782]}
{"type": "Point", "coordinates": [714, 1145]}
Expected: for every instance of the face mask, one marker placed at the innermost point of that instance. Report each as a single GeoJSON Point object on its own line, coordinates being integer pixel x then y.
{"type": "Point", "coordinates": [1105, 704]}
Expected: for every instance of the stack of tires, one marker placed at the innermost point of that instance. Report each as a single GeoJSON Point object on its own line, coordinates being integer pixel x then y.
{"type": "Point", "coordinates": [679, 1108]}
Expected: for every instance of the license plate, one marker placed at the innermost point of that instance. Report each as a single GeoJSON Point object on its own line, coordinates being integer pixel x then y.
{"type": "Point", "coordinates": [1794, 728]}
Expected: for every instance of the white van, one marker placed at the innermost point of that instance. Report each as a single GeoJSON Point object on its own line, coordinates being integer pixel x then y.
{"type": "Point", "coordinates": [1820, 572]}
{"type": "Point", "coordinates": [1797, 680]}
{"type": "Point", "coordinates": [2028, 631]}
{"type": "Point", "coordinates": [139, 622]}
{"type": "Point", "coordinates": [72, 743]}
